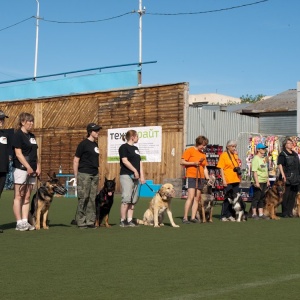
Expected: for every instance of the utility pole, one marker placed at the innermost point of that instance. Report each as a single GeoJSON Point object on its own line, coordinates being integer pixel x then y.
{"type": "Point", "coordinates": [36, 39]}
{"type": "Point", "coordinates": [141, 12]}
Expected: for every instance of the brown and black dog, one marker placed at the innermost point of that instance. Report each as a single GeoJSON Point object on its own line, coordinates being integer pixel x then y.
{"type": "Point", "coordinates": [273, 199]}
{"type": "Point", "coordinates": [296, 209]}
{"type": "Point", "coordinates": [42, 199]}
{"type": "Point", "coordinates": [206, 203]}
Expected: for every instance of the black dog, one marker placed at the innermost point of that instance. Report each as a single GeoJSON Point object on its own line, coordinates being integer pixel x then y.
{"type": "Point", "coordinates": [104, 201]}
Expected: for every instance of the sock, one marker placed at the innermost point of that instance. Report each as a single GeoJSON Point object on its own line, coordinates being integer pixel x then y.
{"type": "Point", "coordinates": [25, 220]}
{"type": "Point", "coordinates": [19, 222]}
{"type": "Point", "coordinates": [129, 220]}
{"type": "Point", "coordinates": [261, 215]}
{"type": "Point", "coordinates": [122, 220]}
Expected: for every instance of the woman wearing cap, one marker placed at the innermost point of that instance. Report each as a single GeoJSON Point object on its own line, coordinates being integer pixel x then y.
{"type": "Point", "coordinates": [231, 176]}
{"type": "Point", "coordinates": [86, 171]}
{"type": "Point", "coordinates": [27, 167]}
{"type": "Point", "coordinates": [4, 160]}
{"type": "Point", "coordinates": [261, 181]}
{"type": "Point", "coordinates": [131, 172]}
{"type": "Point", "coordinates": [288, 164]}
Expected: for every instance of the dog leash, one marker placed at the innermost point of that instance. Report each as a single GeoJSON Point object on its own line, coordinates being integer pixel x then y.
{"type": "Point", "coordinates": [151, 189]}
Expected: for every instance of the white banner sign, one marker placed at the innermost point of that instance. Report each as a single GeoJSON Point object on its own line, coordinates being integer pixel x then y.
{"type": "Point", "coordinates": [149, 143]}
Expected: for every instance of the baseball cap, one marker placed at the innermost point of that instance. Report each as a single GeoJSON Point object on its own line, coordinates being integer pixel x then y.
{"type": "Point", "coordinates": [261, 146]}
{"type": "Point", "coordinates": [93, 127]}
{"type": "Point", "coordinates": [3, 115]}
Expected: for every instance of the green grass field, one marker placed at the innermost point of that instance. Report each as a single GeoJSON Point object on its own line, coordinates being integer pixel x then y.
{"type": "Point", "coordinates": [248, 260]}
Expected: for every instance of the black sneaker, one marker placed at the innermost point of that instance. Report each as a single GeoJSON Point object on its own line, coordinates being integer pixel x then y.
{"type": "Point", "coordinates": [131, 224]}
{"type": "Point", "coordinates": [92, 226]}
{"type": "Point", "coordinates": [185, 221]}
{"type": "Point", "coordinates": [123, 223]}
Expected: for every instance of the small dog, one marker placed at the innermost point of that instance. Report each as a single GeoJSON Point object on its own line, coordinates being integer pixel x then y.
{"type": "Point", "coordinates": [296, 209]}
{"type": "Point", "coordinates": [273, 199]}
{"type": "Point", "coordinates": [104, 201]}
{"type": "Point", "coordinates": [238, 205]}
{"type": "Point", "coordinates": [42, 199]}
{"type": "Point", "coordinates": [160, 203]}
{"type": "Point", "coordinates": [206, 203]}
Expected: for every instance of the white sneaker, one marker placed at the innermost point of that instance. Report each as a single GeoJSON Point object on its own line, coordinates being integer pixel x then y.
{"type": "Point", "coordinates": [21, 227]}
{"type": "Point", "coordinates": [29, 226]}
{"type": "Point", "coordinates": [232, 219]}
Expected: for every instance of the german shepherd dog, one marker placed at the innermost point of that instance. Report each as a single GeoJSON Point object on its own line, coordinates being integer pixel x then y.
{"type": "Point", "coordinates": [238, 205]}
{"type": "Point", "coordinates": [104, 201]}
{"type": "Point", "coordinates": [273, 199]}
{"type": "Point", "coordinates": [42, 199]}
{"type": "Point", "coordinates": [206, 203]}
{"type": "Point", "coordinates": [296, 209]}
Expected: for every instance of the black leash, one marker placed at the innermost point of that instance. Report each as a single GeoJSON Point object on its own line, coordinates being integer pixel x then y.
{"type": "Point", "coordinates": [151, 189]}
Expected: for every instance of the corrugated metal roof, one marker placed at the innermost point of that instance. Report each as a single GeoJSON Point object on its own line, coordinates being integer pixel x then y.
{"type": "Point", "coordinates": [286, 101]}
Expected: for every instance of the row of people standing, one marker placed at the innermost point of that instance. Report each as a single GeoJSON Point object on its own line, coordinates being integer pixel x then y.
{"type": "Point", "coordinates": [194, 160]}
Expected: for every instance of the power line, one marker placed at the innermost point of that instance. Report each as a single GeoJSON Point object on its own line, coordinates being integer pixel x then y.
{"type": "Point", "coordinates": [134, 11]}
{"type": "Point", "coordinates": [17, 23]}
{"type": "Point", "coordinates": [207, 11]}
{"type": "Point", "coordinates": [93, 21]}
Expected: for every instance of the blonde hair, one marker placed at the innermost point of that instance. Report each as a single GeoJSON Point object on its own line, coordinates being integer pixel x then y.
{"type": "Point", "coordinates": [23, 117]}
{"type": "Point", "coordinates": [129, 134]}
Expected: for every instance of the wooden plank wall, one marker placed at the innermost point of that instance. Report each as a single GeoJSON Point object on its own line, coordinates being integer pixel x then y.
{"type": "Point", "coordinates": [60, 124]}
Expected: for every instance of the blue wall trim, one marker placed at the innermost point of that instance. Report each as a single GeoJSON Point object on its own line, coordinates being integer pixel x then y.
{"type": "Point", "coordinates": [72, 85]}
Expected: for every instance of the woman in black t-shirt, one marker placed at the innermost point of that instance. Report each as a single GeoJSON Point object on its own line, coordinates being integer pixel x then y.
{"type": "Point", "coordinates": [131, 173]}
{"type": "Point", "coordinates": [288, 164]}
{"type": "Point", "coordinates": [27, 167]}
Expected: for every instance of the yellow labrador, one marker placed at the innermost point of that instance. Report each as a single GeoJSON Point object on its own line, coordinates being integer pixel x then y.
{"type": "Point", "coordinates": [160, 203]}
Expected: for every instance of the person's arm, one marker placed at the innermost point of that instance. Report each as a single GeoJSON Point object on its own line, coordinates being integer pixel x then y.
{"type": "Point", "coordinates": [282, 172]}
{"type": "Point", "coordinates": [142, 177]}
{"type": "Point", "coordinates": [190, 163]}
{"type": "Point", "coordinates": [256, 182]}
{"type": "Point", "coordinates": [223, 177]}
{"type": "Point", "coordinates": [75, 166]}
{"type": "Point", "coordinates": [129, 166]}
{"type": "Point", "coordinates": [23, 161]}
{"type": "Point", "coordinates": [206, 173]}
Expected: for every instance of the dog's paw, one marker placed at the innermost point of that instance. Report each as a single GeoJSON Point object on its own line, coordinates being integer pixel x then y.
{"type": "Point", "coordinates": [156, 226]}
{"type": "Point", "coordinates": [46, 227]}
{"type": "Point", "coordinates": [176, 226]}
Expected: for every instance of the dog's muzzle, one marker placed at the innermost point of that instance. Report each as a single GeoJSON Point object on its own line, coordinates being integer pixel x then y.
{"type": "Point", "coordinates": [61, 190]}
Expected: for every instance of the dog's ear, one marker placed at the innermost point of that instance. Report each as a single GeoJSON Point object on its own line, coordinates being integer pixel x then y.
{"type": "Point", "coordinates": [114, 180]}
{"type": "Point", "coordinates": [105, 179]}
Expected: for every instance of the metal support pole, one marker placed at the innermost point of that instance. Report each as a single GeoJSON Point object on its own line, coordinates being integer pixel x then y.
{"type": "Point", "coordinates": [141, 11]}
{"type": "Point", "coordinates": [36, 39]}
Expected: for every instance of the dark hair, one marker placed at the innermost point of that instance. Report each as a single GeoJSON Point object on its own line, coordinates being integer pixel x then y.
{"type": "Point", "coordinates": [201, 140]}
{"type": "Point", "coordinates": [285, 141]}
{"type": "Point", "coordinates": [129, 134]}
{"type": "Point", "coordinates": [24, 117]}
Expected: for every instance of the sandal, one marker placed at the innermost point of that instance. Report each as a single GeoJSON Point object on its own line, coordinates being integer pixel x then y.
{"type": "Point", "coordinates": [185, 221]}
{"type": "Point", "coordinates": [194, 221]}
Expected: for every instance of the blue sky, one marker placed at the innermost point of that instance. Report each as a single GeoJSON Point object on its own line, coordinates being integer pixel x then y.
{"type": "Point", "coordinates": [249, 50]}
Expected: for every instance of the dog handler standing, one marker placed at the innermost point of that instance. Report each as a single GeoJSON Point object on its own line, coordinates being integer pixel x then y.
{"type": "Point", "coordinates": [131, 172]}
{"type": "Point", "coordinates": [231, 176]}
{"type": "Point", "coordinates": [260, 173]}
{"type": "Point", "coordinates": [86, 171]}
{"type": "Point", "coordinates": [4, 160]}
{"type": "Point", "coordinates": [27, 167]}
{"type": "Point", "coordinates": [195, 163]}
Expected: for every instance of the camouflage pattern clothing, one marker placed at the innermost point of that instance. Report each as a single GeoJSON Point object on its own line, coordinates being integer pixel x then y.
{"type": "Point", "coordinates": [86, 191]}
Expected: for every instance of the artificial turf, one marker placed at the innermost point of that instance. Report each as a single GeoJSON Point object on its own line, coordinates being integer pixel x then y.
{"type": "Point", "coordinates": [223, 260]}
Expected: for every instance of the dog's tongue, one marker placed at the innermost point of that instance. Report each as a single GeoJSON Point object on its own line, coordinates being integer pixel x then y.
{"type": "Point", "coordinates": [109, 193]}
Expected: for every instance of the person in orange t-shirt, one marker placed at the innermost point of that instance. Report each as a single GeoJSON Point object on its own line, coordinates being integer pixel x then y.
{"type": "Point", "coordinates": [228, 162]}
{"type": "Point", "coordinates": [195, 163]}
